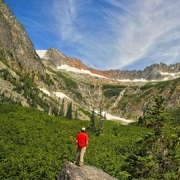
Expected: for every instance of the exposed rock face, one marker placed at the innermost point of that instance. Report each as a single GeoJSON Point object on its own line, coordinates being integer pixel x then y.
{"type": "Point", "coordinates": [15, 46]}
{"type": "Point", "coordinates": [153, 72]}
{"type": "Point", "coordinates": [73, 172]}
{"type": "Point", "coordinates": [57, 59]}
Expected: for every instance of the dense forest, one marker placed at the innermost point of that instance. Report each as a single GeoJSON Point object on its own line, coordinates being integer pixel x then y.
{"type": "Point", "coordinates": [34, 145]}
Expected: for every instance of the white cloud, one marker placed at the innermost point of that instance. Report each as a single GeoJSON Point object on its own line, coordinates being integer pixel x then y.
{"type": "Point", "coordinates": [113, 34]}
{"type": "Point", "coordinates": [67, 20]}
{"type": "Point", "coordinates": [106, 34]}
{"type": "Point", "coordinates": [152, 27]}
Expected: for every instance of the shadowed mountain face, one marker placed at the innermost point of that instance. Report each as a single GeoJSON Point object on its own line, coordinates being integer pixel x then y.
{"type": "Point", "coordinates": [15, 46]}
{"type": "Point", "coordinates": [73, 172]}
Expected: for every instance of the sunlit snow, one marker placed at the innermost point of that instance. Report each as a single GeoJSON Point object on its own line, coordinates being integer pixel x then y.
{"type": "Point", "coordinates": [134, 80]}
{"type": "Point", "coordinates": [41, 53]}
{"type": "Point", "coordinates": [170, 74]}
{"type": "Point", "coordinates": [61, 95]}
{"type": "Point", "coordinates": [45, 91]}
{"type": "Point", "coordinates": [111, 117]}
{"type": "Point", "coordinates": [80, 71]}
{"type": "Point", "coordinates": [58, 94]}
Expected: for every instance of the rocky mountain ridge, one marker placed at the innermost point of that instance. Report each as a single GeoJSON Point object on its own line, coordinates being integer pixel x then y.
{"type": "Point", "coordinates": [158, 72]}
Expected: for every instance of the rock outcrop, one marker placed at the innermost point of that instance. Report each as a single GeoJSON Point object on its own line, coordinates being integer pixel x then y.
{"type": "Point", "coordinates": [73, 172]}
{"type": "Point", "coordinates": [15, 46]}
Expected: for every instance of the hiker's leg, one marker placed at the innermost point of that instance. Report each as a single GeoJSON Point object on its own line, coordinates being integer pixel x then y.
{"type": "Point", "coordinates": [77, 156]}
{"type": "Point", "coordinates": [83, 150]}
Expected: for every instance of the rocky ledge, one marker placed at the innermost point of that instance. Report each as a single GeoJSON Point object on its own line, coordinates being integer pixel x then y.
{"type": "Point", "coordinates": [73, 172]}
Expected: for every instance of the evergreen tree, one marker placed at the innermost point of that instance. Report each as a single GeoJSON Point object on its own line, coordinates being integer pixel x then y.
{"type": "Point", "coordinates": [151, 157]}
{"type": "Point", "coordinates": [156, 114]}
{"type": "Point", "coordinates": [61, 112]}
{"type": "Point", "coordinates": [92, 126]}
{"type": "Point", "coordinates": [100, 128]}
{"type": "Point", "coordinates": [76, 114]}
{"type": "Point", "coordinates": [69, 114]}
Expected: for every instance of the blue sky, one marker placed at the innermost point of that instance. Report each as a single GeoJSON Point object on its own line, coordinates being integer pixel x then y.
{"type": "Point", "coordinates": [104, 34]}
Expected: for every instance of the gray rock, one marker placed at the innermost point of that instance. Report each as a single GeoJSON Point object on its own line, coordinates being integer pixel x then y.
{"type": "Point", "coordinates": [73, 172]}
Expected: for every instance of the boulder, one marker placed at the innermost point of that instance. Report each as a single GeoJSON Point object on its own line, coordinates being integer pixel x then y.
{"type": "Point", "coordinates": [73, 172]}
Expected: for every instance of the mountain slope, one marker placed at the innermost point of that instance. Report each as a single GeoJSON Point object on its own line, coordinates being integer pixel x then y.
{"type": "Point", "coordinates": [15, 46]}
{"type": "Point", "coordinates": [121, 98]}
{"type": "Point", "coordinates": [30, 81]}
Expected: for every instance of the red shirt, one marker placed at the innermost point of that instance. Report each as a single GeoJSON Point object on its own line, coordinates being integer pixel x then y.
{"type": "Point", "coordinates": [82, 139]}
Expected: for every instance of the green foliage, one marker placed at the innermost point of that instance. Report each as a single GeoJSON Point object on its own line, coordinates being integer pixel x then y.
{"type": "Point", "coordinates": [111, 91]}
{"type": "Point", "coordinates": [61, 113]}
{"type": "Point", "coordinates": [155, 114]}
{"type": "Point", "coordinates": [104, 87]}
{"type": "Point", "coordinates": [70, 83]}
{"type": "Point", "coordinates": [4, 73]}
{"type": "Point", "coordinates": [92, 126]}
{"type": "Point", "coordinates": [147, 86]}
{"type": "Point", "coordinates": [158, 152]}
{"type": "Point", "coordinates": [35, 146]}
{"type": "Point", "coordinates": [175, 116]}
{"type": "Point", "coordinates": [86, 112]}
{"type": "Point", "coordinates": [69, 111]}
{"type": "Point", "coordinates": [47, 80]}
{"type": "Point", "coordinates": [122, 105]}
{"type": "Point", "coordinates": [110, 149]}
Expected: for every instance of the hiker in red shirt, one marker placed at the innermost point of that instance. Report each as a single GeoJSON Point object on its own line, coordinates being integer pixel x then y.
{"type": "Point", "coordinates": [82, 142]}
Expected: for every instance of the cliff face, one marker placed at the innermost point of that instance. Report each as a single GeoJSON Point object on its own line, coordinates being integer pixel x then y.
{"type": "Point", "coordinates": [55, 58]}
{"type": "Point", "coordinates": [15, 46]}
{"type": "Point", "coordinates": [73, 172]}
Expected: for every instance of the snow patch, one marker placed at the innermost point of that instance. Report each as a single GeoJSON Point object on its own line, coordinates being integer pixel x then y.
{"type": "Point", "coordinates": [61, 95]}
{"type": "Point", "coordinates": [112, 117]}
{"type": "Point", "coordinates": [168, 77]}
{"type": "Point", "coordinates": [41, 53]}
{"type": "Point", "coordinates": [134, 80]}
{"type": "Point", "coordinates": [80, 71]}
{"type": "Point", "coordinates": [58, 94]}
{"type": "Point", "coordinates": [170, 74]}
{"type": "Point", "coordinates": [45, 91]}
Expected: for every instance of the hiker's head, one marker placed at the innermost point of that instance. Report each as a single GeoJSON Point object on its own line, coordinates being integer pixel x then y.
{"type": "Point", "coordinates": [83, 129]}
